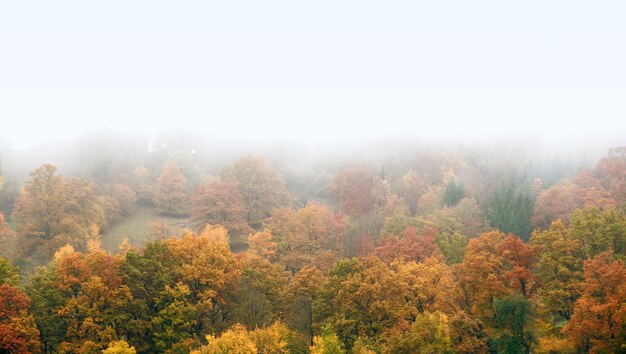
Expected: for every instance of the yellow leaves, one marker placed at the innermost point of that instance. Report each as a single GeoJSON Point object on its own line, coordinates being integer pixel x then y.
{"type": "Point", "coordinates": [234, 341]}
{"type": "Point", "coordinates": [93, 232]}
{"type": "Point", "coordinates": [94, 245]}
{"type": "Point", "coordinates": [206, 263]}
{"type": "Point", "coordinates": [430, 333]}
{"type": "Point", "coordinates": [119, 347]}
{"type": "Point", "coordinates": [180, 290]}
{"type": "Point", "coordinates": [239, 340]}
{"type": "Point", "coordinates": [327, 343]}
{"type": "Point", "coordinates": [125, 246]}
{"type": "Point", "coordinates": [215, 233]}
{"type": "Point", "coordinates": [429, 284]}
{"type": "Point", "coordinates": [272, 339]}
{"type": "Point", "coordinates": [261, 244]}
{"type": "Point", "coordinates": [311, 235]}
{"type": "Point", "coordinates": [63, 252]}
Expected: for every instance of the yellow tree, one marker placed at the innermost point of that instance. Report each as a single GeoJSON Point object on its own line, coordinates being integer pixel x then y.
{"type": "Point", "coordinates": [428, 334]}
{"type": "Point", "coordinates": [430, 286]}
{"type": "Point", "coordinates": [559, 270]}
{"type": "Point", "coordinates": [119, 347]}
{"type": "Point", "coordinates": [207, 267]}
{"type": "Point", "coordinates": [239, 340]}
{"type": "Point", "coordinates": [308, 236]}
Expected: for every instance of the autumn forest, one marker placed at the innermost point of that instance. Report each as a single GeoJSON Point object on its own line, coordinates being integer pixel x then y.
{"type": "Point", "coordinates": [172, 248]}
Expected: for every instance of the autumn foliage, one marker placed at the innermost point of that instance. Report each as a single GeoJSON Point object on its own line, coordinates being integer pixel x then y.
{"type": "Point", "coordinates": [419, 259]}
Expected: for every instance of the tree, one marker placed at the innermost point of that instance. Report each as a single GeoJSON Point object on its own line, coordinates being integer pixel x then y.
{"type": "Point", "coordinates": [327, 343]}
{"type": "Point", "coordinates": [453, 194]}
{"type": "Point", "coordinates": [272, 339]}
{"type": "Point", "coordinates": [481, 275]}
{"type": "Point", "coordinates": [513, 317]}
{"type": "Point", "coordinates": [452, 246]}
{"type": "Point", "coordinates": [161, 311]}
{"type": "Point", "coordinates": [467, 218]}
{"type": "Point", "coordinates": [413, 186]}
{"type": "Point", "coordinates": [555, 203]}
{"type": "Point", "coordinates": [598, 231]}
{"type": "Point", "coordinates": [220, 203]}
{"type": "Point", "coordinates": [612, 172]}
{"type": "Point", "coordinates": [300, 295]}
{"type": "Point", "coordinates": [469, 336]}
{"type": "Point", "coordinates": [358, 190]}
{"type": "Point", "coordinates": [262, 245]}
{"type": "Point", "coordinates": [46, 299]}
{"type": "Point", "coordinates": [170, 195]}
{"type": "Point", "coordinates": [558, 269]}
{"type": "Point", "coordinates": [597, 324]}
{"type": "Point", "coordinates": [259, 298]}
{"type": "Point", "coordinates": [428, 334]}
{"type": "Point", "coordinates": [18, 331]}
{"type": "Point", "coordinates": [561, 200]}
{"type": "Point", "coordinates": [362, 298]}
{"type": "Point", "coordinates": [234, 341]}
{"type": "Point", "coordinates": [429, 286]}
{"type": "Point", "coordinates": [6, 233]}
{"type": "Point", "coordinates": [125, 197]}
{"type": "Point", "coordinates": [261, 187]}
{"type": "Point", "coordinates": [119, 347]}
{"type": "Point", "coordinates": [309, 236]}
{"type": "Point", "coordinates": [408, 246]}
{"type": "Point", "coordinates": [518, 260]}
{"type": "Point", "coordinates": [171, 191]}
{"type": "Point", "coordinates": [495, 265]}
{"type": "Point", "coordinates": [239, 340]}
{"type": "Point", "coordinates": [53, 211]}
{"type": "Point", "coordinates": [510, 210]}
{"type": "Point", "coordinates": [93, 299]}
{"type": "Point", "coordinates": [208, 269]}
{"type": "Point", "coordinates": [8, 275]}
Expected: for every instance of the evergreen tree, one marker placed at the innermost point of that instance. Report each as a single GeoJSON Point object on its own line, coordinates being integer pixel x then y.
{"type": "Point", "coordinates": [510, 210]}
{"type": "Point", "coordinates": [453, 194]}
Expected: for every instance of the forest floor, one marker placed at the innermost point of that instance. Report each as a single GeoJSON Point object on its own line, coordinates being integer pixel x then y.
{"type": "Point", "coordinates": [136, 228]}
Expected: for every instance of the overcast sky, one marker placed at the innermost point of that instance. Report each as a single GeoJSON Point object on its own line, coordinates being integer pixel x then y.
{"type": "Point", "coordinates": [313, 69]}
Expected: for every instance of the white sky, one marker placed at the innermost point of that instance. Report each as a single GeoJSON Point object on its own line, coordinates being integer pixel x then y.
{"type": "Point", "coordinates": [313, 69]}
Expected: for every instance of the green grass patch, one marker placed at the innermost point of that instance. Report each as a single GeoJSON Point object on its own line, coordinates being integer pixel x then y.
{"type": "Point", "coordinates": [136, 228]}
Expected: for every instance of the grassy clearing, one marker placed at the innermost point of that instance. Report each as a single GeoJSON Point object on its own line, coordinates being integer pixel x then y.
{"type": "Point", "coordinates": [136, 228]}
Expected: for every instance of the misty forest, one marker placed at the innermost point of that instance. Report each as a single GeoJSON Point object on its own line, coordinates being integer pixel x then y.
{"type": "Point", "coordinates": [178, 244]}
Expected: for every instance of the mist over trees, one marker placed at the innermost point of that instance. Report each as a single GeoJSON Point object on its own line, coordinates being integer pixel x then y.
{"type": "Point", "coordinates": [178, 243]}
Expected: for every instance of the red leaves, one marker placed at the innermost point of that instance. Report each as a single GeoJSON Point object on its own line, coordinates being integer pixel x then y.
{"type": "Point", "coordinates": [18, 333]}
{"type": "Point", "coordinates": [12, 301]}
{"type": "Point", "coordinates": [519, 258]}
{"type": "Point", "coordinates": [599, 315]}
{"type": "Point", "coordinates": [408, 246]}
{"type": "Point", "coordinates": [357, 189]}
